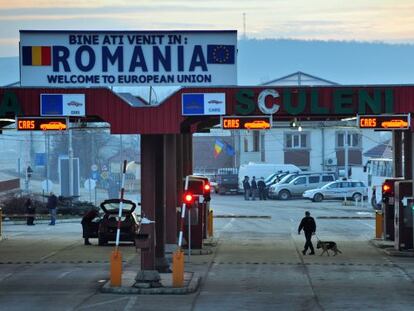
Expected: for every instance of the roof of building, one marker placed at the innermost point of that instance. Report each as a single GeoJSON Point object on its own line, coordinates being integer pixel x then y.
{"type": "Point", "coordinates": [382, 150]}
{"type": "Point", "coordinates": [300, 78]}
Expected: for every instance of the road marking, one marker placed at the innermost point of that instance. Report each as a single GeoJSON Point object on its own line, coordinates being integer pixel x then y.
{"type": "Point", "coordinates": [62, 275]}
{"type": "Point", "coordinates": [102, 303]}
{"type": "Point", "coordinates": [131, 303]}
{"type": "Point", "coordinates": [366, 224]}
{"type": "Point", "coordinates": [6, 276]}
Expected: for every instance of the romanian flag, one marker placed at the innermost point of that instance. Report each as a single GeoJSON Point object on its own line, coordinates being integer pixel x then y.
{"type": "Point", "coordinates": [218, 147]}
{"type": "Point", "coordinates": [36, 55]}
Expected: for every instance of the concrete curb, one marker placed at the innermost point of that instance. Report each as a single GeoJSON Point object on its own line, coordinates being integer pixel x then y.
{"type": "Point", "coordinates": [387, 247]}
{"type": "Point", "coordinates": [395, 253]}
{"type": "Point", "coordinates": [41, 222]}
{"type": "Point", "coordinates": [345, 217]}
{"type": "Point", "coordinates": [243, 216]}
{"type": "Point", "coordinates": [381, 243]}
{"type": "Point", "coordinates": [190, 288]}
{"type": "Point", "coordinates": [195, 252]}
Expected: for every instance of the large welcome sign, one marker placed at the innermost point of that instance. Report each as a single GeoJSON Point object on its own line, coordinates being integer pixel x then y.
{"type": "Point", "coordinates": [109, 58]}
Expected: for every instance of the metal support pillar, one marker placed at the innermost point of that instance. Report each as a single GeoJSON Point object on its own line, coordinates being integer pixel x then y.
{"type": "Point", "coordinates": [148, 191]}
{"type": "Point", "coordinates": [188, 154]}
{"type": "Point", "coordinates": [179, 174]}
{"type": "Point", "coordinates": [170, 160]}
{"type": "Point", "coordinates": [161, 263]}
{"type": "Point", "coordinates": [397, 153]}
{"type": "Point", "coordinates": [408, 164]}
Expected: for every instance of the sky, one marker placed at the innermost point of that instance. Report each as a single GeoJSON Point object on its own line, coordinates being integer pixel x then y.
{"type": "Point", "coordinates": [389, 21]}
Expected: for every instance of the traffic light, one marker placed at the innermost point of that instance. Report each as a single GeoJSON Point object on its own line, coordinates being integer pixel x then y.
{"type": "Point", "coordinates": [387, 188]}
{"type": "Point", "coordinates": [207, 191]}
{"type": "Point", "coordinates": [29, 172]}
{"type": "Point", "coordinates": [188, 198]}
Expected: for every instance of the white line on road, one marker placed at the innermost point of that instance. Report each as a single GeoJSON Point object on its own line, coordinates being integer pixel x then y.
{"type": "Point", "coordinates": [62, 275]}
{"type": "Point", "coordinates": [131, 303]}
{"type": "Point", "coordinates": [371, 226]}
{"type": "Point", "coordinates": [102, 303]}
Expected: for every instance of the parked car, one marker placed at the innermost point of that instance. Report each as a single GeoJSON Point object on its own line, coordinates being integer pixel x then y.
{"type": "Point", "coordinates": [129, 221]}
{"type": "Point", "coordinates": [228, 183]}
{"type": "Point", "coordinates": [295, 184]}
{"type": "Point", "coordinates": [351, 189]}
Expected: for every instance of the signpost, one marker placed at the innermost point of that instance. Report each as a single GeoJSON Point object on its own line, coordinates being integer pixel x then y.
{"type": "Point", "coordinates": [41, 124]}
{"type": "Point", "coordinates": [246, 123]}
{"type": "Point", "coordinates": [385, 122]}
{"type": "Point", "coordinates": [120, 58]}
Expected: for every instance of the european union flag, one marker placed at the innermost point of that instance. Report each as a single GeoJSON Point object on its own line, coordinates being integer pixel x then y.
{"type": "Point", "coordinates": [220, 54]}
{"type": "Point", "coordinates": [51, 104]}
{"type": "Point", "coordinates": [193, 104]}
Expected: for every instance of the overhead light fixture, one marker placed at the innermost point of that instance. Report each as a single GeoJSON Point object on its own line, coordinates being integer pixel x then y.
{"type": "Point", "coordinates": [349, 119]}
{"type": "Point", "coordinates": [7, 120]}
{"type": "Point", "coordinates": [294, 123]}
{"type": "Point", "coordinates": [300, 128]}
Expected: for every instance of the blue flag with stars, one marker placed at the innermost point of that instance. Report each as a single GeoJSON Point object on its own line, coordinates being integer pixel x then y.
{"type": "Point", "coordinates": [220, 54]}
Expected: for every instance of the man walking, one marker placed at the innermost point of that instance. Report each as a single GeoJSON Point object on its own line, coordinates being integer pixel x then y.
{"type": "Point", "coordinates": [51, 205]}
{"type": "Point", "coordinates": [254, 188]}
{"type": "Point", "coordinates": [309, 227]}
{"type": "Point", "coordinates": [246, 188]}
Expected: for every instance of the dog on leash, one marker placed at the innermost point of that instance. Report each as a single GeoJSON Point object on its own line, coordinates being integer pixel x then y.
{"type": "Point", "coordinates": [328, 246]}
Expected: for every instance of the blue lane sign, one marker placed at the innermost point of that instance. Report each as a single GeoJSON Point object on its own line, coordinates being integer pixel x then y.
{"type": "Point", "coordinates": [62, 105]}
{"type": "Point", "coordinates": [199, 104]}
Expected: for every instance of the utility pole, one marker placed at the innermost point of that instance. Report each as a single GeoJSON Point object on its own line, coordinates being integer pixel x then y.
{"type": "Point", "coordinates": [244, 26]}
{"type": "Point", "coordinates": [70, 166]}
{"type": "Point", "coordinates": [346, 147]}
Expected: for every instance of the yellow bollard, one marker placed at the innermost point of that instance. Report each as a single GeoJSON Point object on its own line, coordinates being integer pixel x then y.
{"type": "Point", "coordinates": [178, 268]}
{"type": "Point", "coordinates": [210, 223]}
{"type": "Point", "coordinates": [378, 225]}
{"type": "Point", "coordinates": [116, 268]}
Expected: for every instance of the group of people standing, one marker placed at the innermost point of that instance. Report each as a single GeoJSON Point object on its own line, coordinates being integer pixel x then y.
{"type": "Point", "coordinates": [30, 209]}
{"type": "Point", "coordinates": [253, 188]}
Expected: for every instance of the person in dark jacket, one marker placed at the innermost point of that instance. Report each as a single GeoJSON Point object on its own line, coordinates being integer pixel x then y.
{"type": "Point", "coordinates": [88, 225]}
{"type": "Point", "coordinates": [30, 211]}
{"type": "Point", "coordinates": [254, 188]}
{"type": "Point", "coordinates": [309, 227]}
{"type": "Point", "coordinates": [246, 187]}
{"type": "Point", "coordinates": [262, 189]}
{"type": "Point", "coordinates": [52, 205]}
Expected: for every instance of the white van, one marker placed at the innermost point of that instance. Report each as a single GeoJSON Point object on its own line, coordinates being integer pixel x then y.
{"type": "Point", "coordinates": [263, 170]}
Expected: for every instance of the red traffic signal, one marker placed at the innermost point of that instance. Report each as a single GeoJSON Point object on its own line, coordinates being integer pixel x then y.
{"type": "Point", "coordinates": [188, 198]}
{"type": "Point", "coordinates": [387, 188]}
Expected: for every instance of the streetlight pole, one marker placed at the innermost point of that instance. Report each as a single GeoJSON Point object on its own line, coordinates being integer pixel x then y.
{"type": "Point", "coordinates": [70, 165]}
{"type": "Point", "coordinates": [346, 147]}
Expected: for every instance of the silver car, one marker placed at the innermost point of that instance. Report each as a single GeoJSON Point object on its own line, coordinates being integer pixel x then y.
{"type": "Point", "coordinates": [351, 189]}
{"type": "Point", "coordinates": [295, 184]}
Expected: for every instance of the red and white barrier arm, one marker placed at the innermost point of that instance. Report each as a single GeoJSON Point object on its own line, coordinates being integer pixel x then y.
{"type": "Point", "coordinates": [121, 205]}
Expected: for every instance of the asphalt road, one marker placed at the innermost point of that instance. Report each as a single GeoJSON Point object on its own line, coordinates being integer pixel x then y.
{"type": "Point", "coordinates": [257, 265]}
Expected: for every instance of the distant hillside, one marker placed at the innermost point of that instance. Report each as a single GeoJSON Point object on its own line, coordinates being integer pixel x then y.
{"type": "Point", "coordinates": [342, 62]}
{"type": "Point", "coordinates": [339, 61]}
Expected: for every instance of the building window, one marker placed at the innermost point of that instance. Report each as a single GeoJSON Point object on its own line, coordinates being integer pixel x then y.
{"type": "Point", "coordinates": [354, 140]}
{"type": "Point", "coordinates": [246, 144]}
{"type": "Point", "coordinates": [296, 140]}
